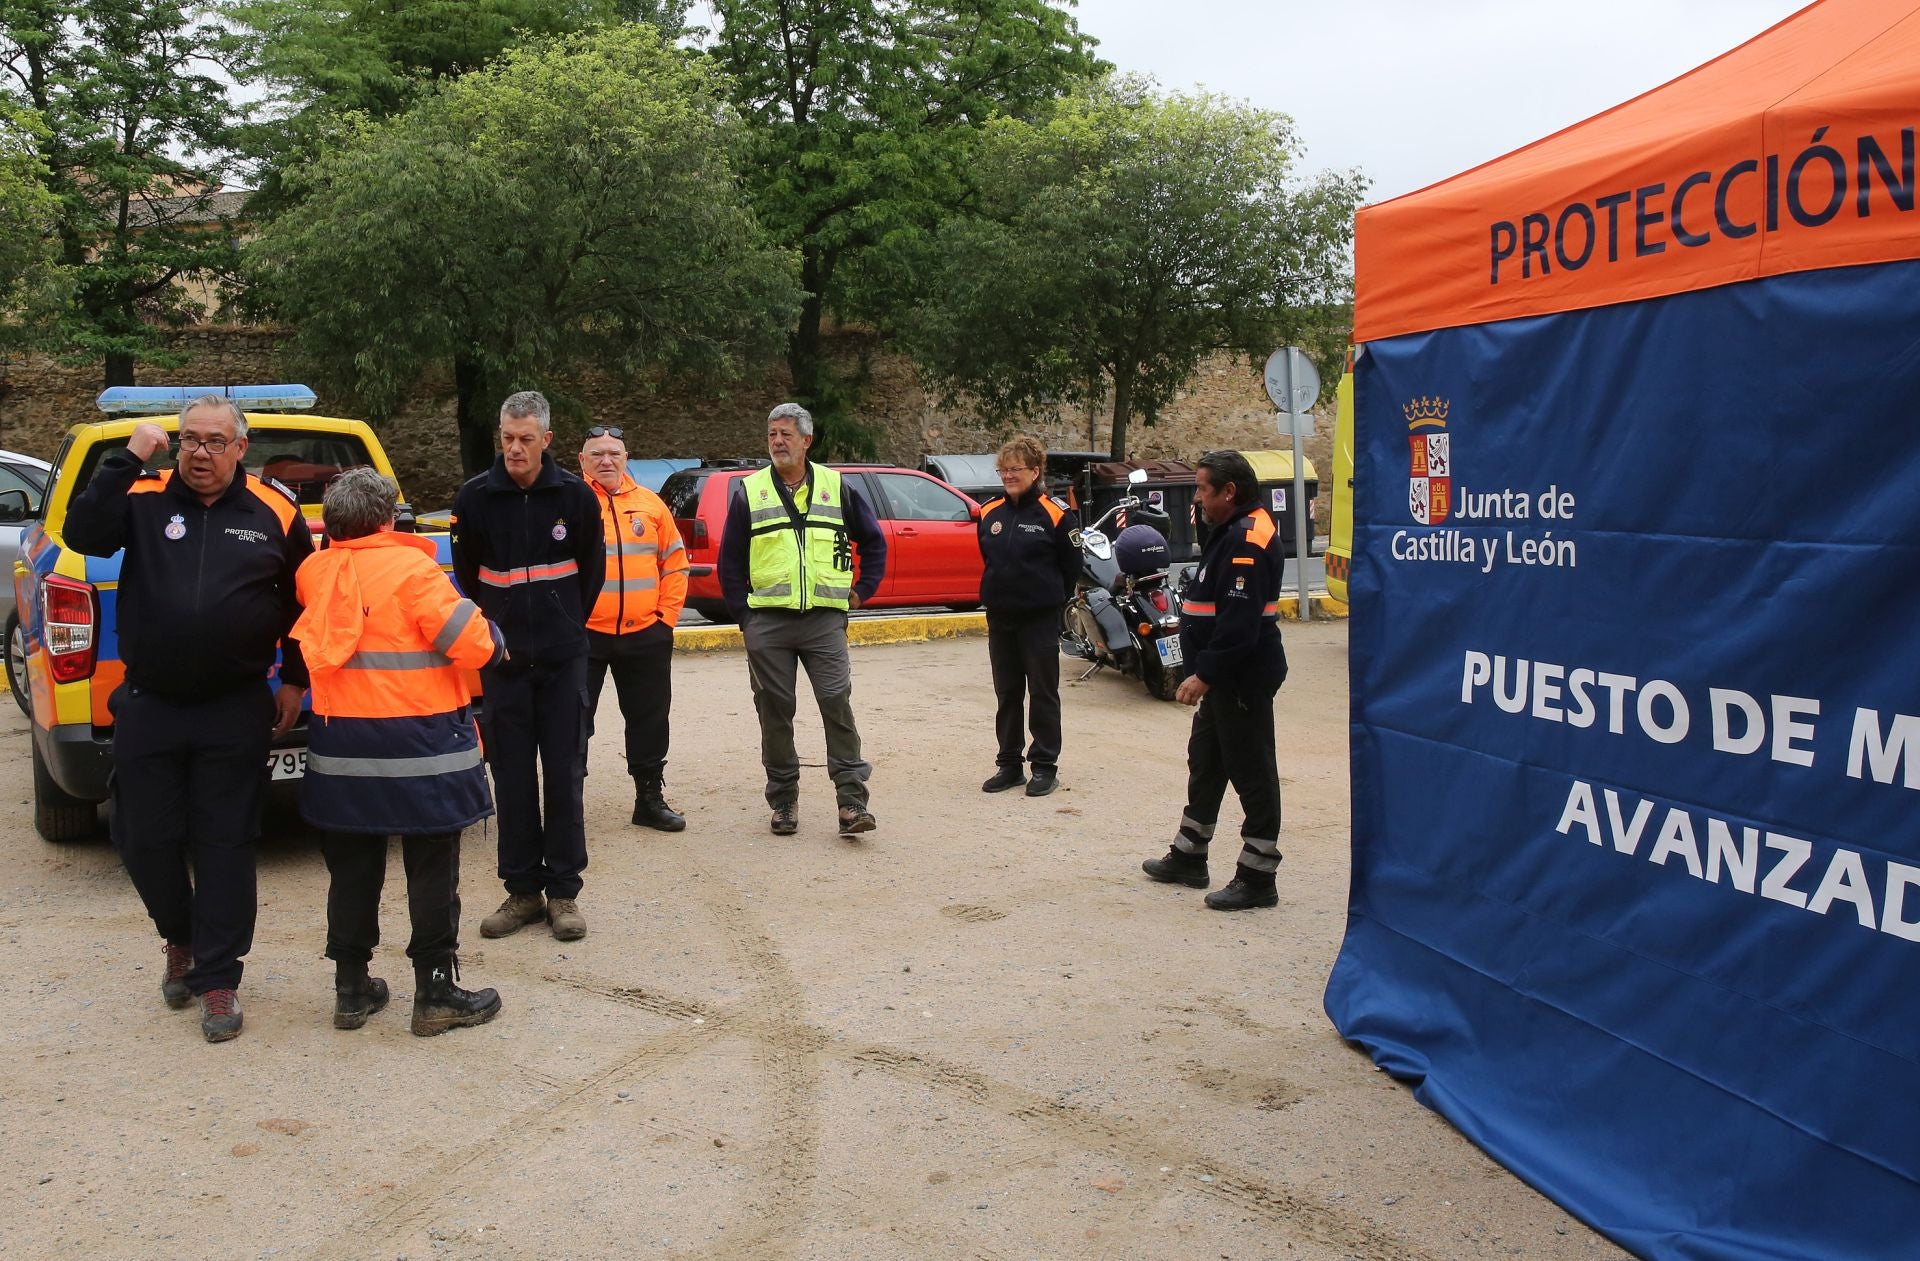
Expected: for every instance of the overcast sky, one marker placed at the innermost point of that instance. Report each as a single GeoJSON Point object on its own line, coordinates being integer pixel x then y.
{"type": "Point", "coordinates": [1412, 91]}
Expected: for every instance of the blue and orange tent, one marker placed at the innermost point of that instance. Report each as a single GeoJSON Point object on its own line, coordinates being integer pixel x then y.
{"type": "Point", "coordinates": [1635, 591]}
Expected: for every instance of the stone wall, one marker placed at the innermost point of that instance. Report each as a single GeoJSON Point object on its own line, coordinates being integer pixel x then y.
{"type": "Point", "coordinates": [1223, 406]}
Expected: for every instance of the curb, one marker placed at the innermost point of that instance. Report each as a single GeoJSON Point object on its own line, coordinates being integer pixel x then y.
{"type": "Point", "coordinates": [1324, 606]}
{"type": "Point", "coordinates": [866, 630]}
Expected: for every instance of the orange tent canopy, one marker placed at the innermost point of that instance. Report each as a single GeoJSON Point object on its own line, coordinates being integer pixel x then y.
{"type": "Point", "coordinates": [1793, 152]}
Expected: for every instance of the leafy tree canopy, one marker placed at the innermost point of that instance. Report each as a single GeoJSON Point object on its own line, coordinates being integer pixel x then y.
{"type": "Point", "coordinates": [31, 283]}
{"type": "Point", "coordinates": [321, 61]}
{"type": "Point", "coordinates": [133, 120]}
{"type": "Point", "coordinates": [573, 202]}
{"type": "Point", "coordinates": [378, 56]}
{"type": "Point", "coordinates": [1118, 242]}
{"type": "Point", "coordinates": [861, 114]}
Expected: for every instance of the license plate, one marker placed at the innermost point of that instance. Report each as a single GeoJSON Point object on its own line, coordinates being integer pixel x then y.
{"type": "Point", "coordinates": [1169, 649]}
{"type": "Point", "coordinates": [286, 764]}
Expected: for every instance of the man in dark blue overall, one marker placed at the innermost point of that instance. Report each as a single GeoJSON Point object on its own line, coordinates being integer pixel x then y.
{"type": "Point", "coordinates": [527, 548]}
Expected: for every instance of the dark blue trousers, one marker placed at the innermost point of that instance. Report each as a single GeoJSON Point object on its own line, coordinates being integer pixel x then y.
{"type": "Point", "coordinates": [188, 778]}
{"type": "Point", "coordinates": [535, 720]}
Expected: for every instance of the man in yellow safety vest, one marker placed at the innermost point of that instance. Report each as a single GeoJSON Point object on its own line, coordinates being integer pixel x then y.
{"type": "Point", "coordinates": [787, 568]}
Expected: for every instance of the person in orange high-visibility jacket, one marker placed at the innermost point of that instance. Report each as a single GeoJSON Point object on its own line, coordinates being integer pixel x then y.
{"type": "Point", "coordinates": [630, 630]}
{"type": "Point", "coordinates": [392, 746]}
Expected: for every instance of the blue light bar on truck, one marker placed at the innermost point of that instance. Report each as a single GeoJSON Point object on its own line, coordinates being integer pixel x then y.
{"type": "Point", "coordinates": [163, 400]}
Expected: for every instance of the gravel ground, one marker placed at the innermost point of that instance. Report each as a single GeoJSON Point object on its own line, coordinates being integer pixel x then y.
{"type": "Point", "coordinates": [979, 1032]}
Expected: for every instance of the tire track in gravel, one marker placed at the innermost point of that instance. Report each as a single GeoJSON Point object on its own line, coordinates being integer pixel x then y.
{"type": "Point", "coordinates": [788, 1052]}
{"type": "Point", "coordinates": [412, 1206]}
{"type": "Point", "coordinates": [1293, 1214]}
{"type": "Point", "coordinates": [772, 1014]}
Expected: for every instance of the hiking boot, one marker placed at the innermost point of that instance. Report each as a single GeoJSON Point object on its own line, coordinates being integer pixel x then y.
{"type": "Point", "coordinates": [563, 916]}
{"type": "Point", "coordinates": [1248, 890]}
{"type": "Point", "coordinates": [650, 808]}
{"type": "Point", "coordinates": [786, 820]}
{"type": "Point", "coordinates": [220, 1015]}
{"type": "Point", "coordinates": [173, 985]}
{"type": "Point", "coordinates": [1004, 778]}
{"type": "Point", "coordinates": [855, 820]}
{"type": "Point", "coordinates": [354, 1000]}
{"type": "Point", "coordinates": [1178, 867]}
{"type": "Point", "coordinates": [519, 910]}
{"type": "Point", "coordinates": [1044, 781]}
{"type": "Point", "coordinates": [439, 1004]}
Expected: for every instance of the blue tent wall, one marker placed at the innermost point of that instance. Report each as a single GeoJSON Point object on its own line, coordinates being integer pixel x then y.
{"type": "Point", "coordinates": [1696, 1070]}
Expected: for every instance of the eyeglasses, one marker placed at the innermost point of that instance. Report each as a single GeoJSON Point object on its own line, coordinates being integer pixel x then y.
{"type": "Point", "coordinates": [602, 431]}
{"type": "Point", "coordinates": [1008, 470]}
{"type": "Point", "coordinates": [212, 446]}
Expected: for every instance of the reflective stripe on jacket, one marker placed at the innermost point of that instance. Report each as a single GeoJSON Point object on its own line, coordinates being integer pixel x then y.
{"type": "Point", "coordinates": [646, 562]}
{"type": "Point", "coordinates": [392, 747]}
{"type": "Point", "coordinates": [781, 572]}
{"type": "Point", "coordinates": [530, 556]}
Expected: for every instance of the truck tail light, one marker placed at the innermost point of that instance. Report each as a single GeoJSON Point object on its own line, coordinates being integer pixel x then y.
{"type": "Point", "coordinates": [694, 531]}
{"type": "Point", "coordinates": [69, 628]}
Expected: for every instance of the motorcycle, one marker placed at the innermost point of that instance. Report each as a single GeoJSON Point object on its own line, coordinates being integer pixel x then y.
{"type": "Point", "coordinates": [1124, 613]}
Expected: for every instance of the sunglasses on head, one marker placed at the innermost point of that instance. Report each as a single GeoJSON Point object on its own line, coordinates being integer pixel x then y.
{"type": "Point", "coordinates": [602, 431]}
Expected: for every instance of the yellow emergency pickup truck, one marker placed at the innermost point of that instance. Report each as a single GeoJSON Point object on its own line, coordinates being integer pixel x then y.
{"type": "Point", "coordinates": [69, 661]}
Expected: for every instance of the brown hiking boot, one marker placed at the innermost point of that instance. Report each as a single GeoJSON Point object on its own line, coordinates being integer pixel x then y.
{"type": "Point", "coordinates": [173, 986]}
{"type": "Point", "coordinates": [220, 1015]}
{"type": "Point", "coordinates": [563, 916]}
{"type": "Point", "coordinates": [519, 910]}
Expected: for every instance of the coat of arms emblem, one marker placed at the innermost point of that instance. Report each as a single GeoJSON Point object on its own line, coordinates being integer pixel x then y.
{"type": "Point", "coordinates": [1430, 482]}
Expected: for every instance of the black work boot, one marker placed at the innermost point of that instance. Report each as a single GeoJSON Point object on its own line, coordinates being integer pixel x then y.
{"type": "Point", "coordinates": [1004, 778]}
{"type": "Point", "coordinates": [1248, 890]}
{"type": "Point", "coordinates": [1178, 867]}
{"type": "Point", "coordinates": [356, 995]}
{"type": "Point", "coordinates": [650, 808]}
{"type": "Point", "coordinates": [440, 1005]}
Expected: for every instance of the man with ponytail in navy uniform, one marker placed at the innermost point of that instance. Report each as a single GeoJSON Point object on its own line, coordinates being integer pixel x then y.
{"type": "Point", "coordinates": [1230, 637]}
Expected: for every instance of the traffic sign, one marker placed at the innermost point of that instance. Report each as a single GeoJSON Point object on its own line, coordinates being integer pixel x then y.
{"type": "Point", "coordinates": [1293, 383]}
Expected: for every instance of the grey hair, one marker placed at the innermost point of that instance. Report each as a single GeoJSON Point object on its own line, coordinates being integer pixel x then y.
{"type": "Point", "coordinates": [359, 502]}
{"type": "Point", "coordinates": [219, 400]}
{"type": "Point", "coordinates": [528, 405]}
{"type": "Point", "coordinates": [802, 418]}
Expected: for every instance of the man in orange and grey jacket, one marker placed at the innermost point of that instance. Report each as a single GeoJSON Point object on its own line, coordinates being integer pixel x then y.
{"type": "Point", "coordinates": [630, 630]}
{"type": "Point", "coordinates": [392, 748]}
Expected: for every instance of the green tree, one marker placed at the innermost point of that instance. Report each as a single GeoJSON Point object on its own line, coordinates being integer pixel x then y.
{"type": "Point", "coordinates": [321, 62]}
{"type": "Point", "coordinates": [135, 123]}
{"type": "Point", "coordinates": [1119, 242]}
{"type": "Point", "coordinates": [861, 114]}
{"type": "Point", "coordinates": [573, 202]}
{"type": "Point", "coordinates": [31, 286]}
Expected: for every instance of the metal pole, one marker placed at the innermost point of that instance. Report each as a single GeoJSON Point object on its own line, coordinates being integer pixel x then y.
{"type": "Point", "coordinates": [1300, 539]}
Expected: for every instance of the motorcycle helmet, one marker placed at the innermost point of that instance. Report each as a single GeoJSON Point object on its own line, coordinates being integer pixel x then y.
{"type": "Point", "coordinates": [1141, 549]}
